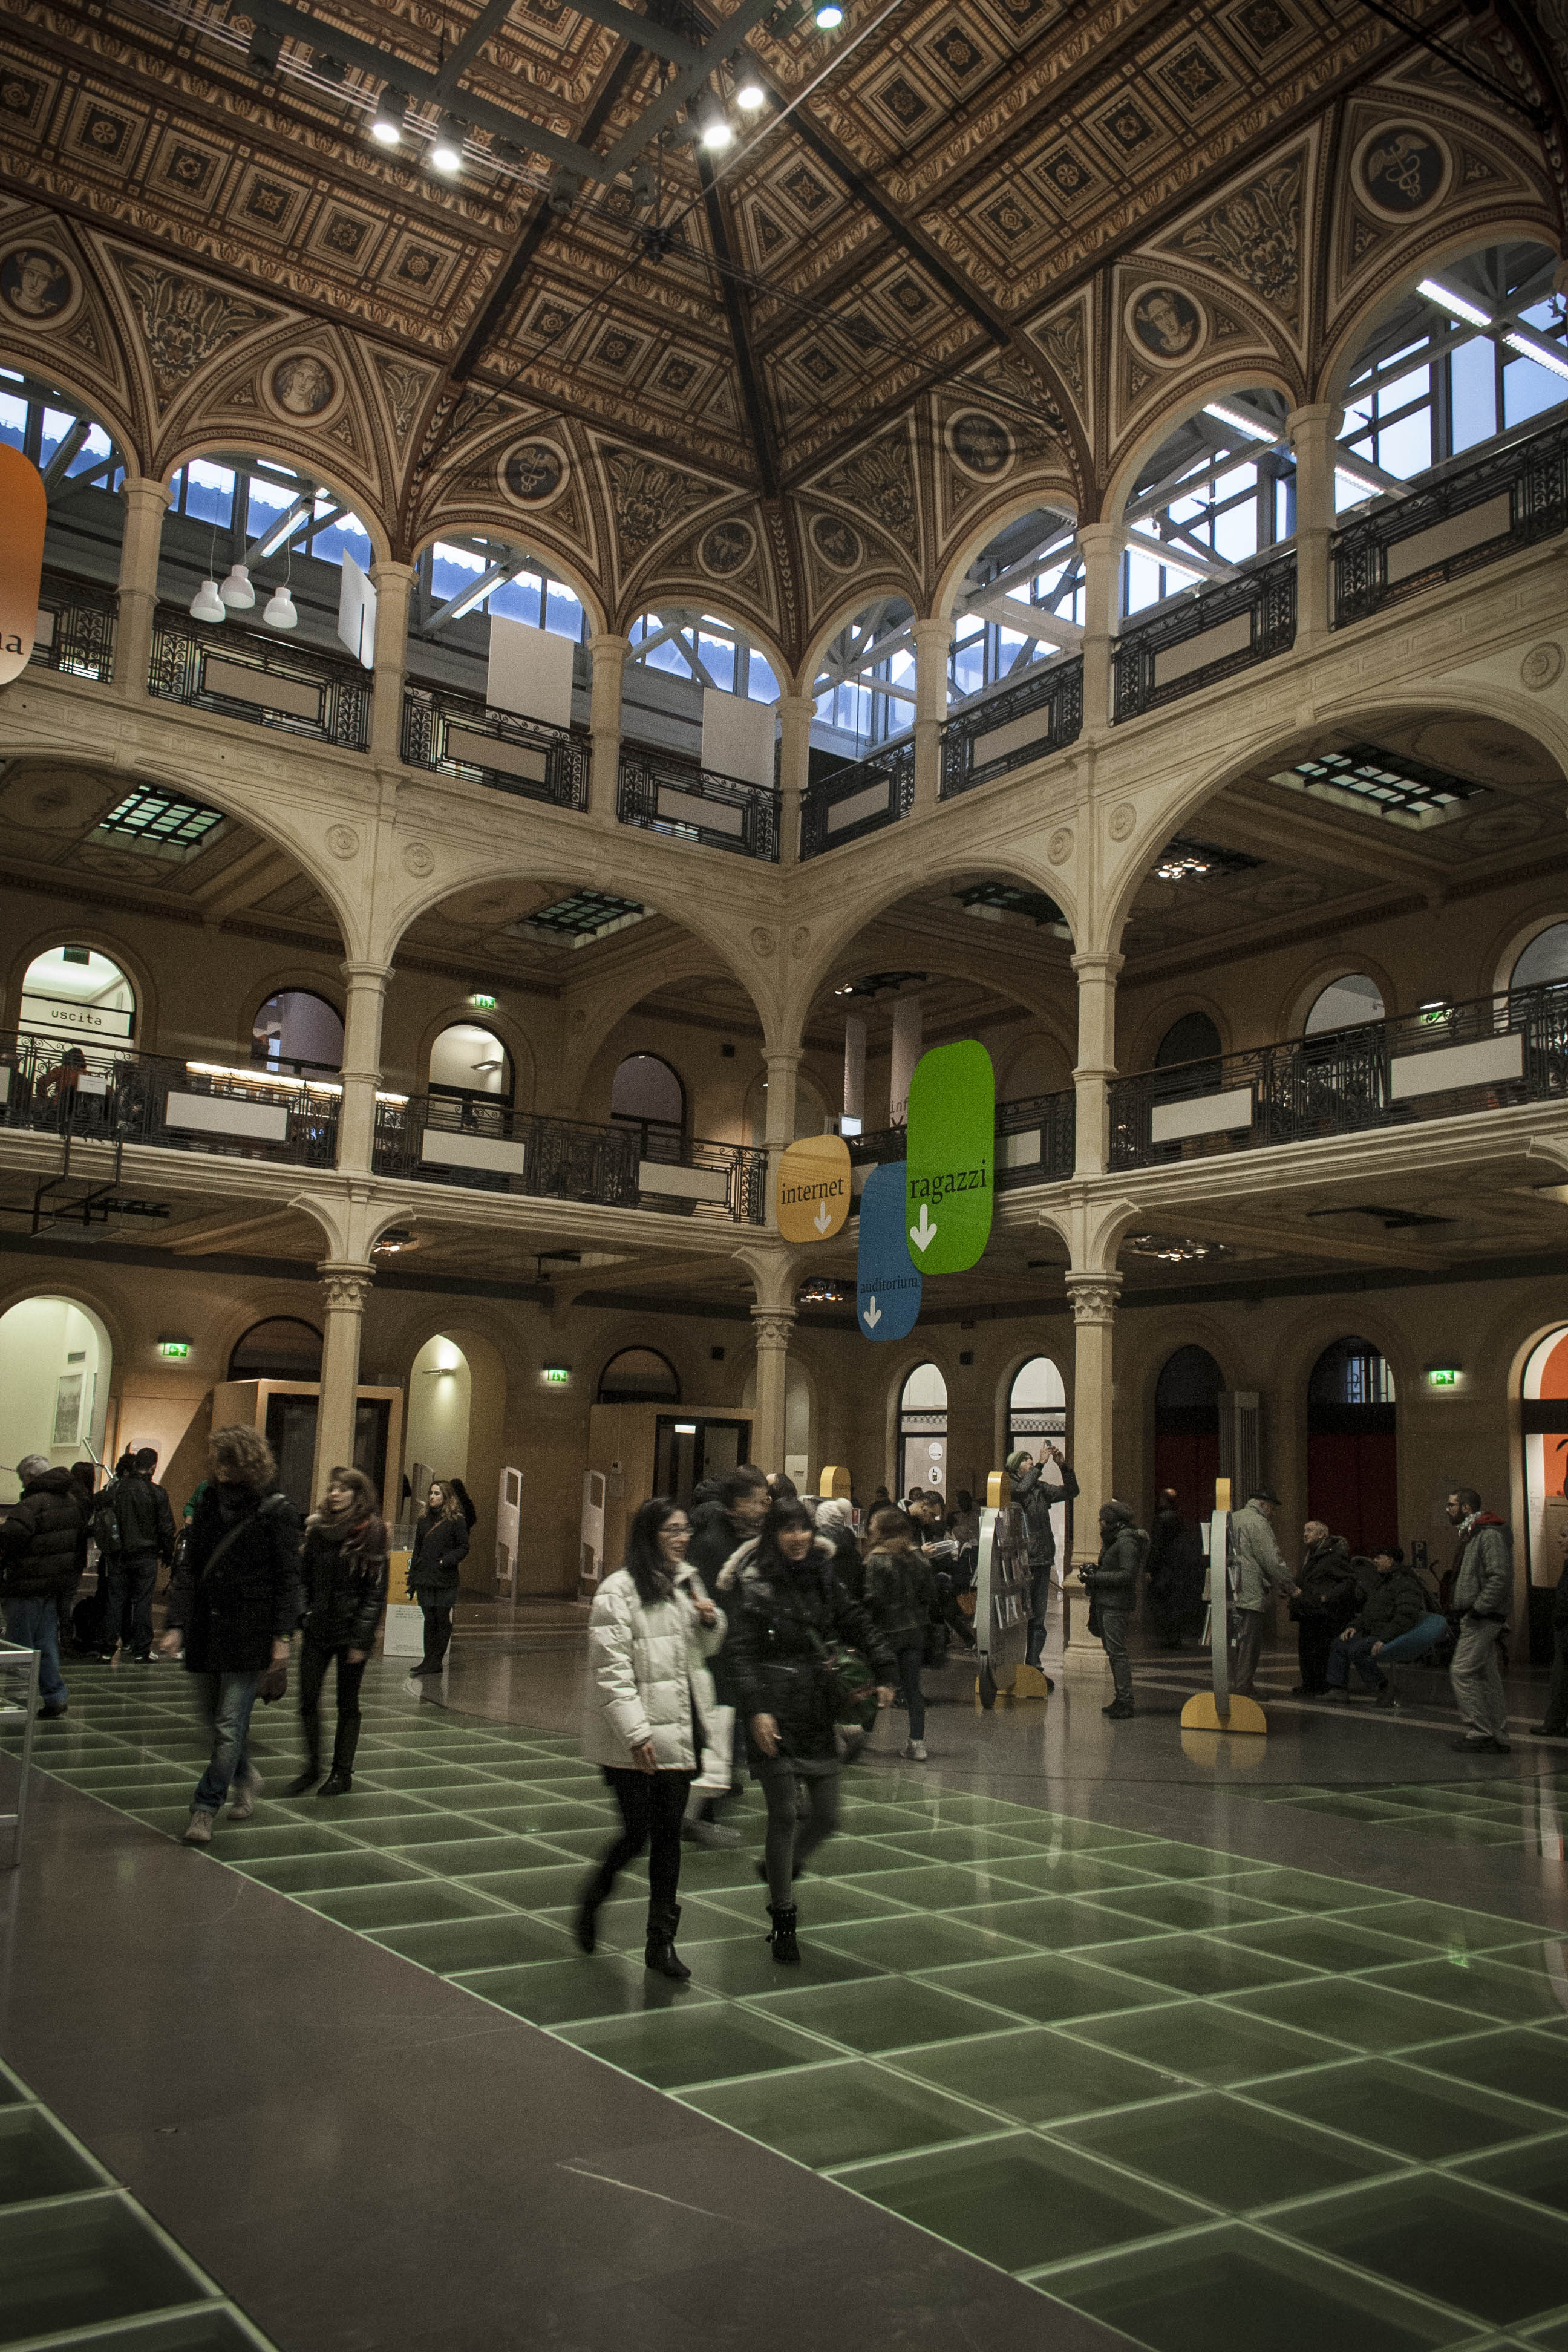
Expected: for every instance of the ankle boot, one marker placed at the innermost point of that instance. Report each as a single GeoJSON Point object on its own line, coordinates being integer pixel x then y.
{"type": "Point", "coordinates": [583, 1926]}
{"type": "Point", "coordinates": [340, 1778]}
{"type": "Point", "coordinates": [663, 1919]}
{"type": "Point", "coordinates": [307, 1779]}
{"type": "Point", "coordinates": [787, 1951]}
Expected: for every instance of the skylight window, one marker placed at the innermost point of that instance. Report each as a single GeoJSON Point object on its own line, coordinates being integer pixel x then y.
{"type": "Point", "coordinates": [1383, 784]}
{"type": "Point", "coordinates": [1185, 860]}
{"type": "Point", "coordinates": [995, 900]}
{"type": "Point", "coordinates": [582, 916]}
{"type": "Point", "coordinates": [161, 820]}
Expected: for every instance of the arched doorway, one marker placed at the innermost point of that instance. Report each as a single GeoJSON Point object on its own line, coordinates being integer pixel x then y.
{"type": "Point", "coordinates": [297, 1029]}
{"type": "Point", "coordinates": [1352, 1470]}
{"type": "Point", "coordinates": [1345, 1004]}
{"type": "Point", "coordinates": [647, 1095]}
{"type": "Point", "coordinates": [922, 1431]}
{"type": "Point", "coordinates": [1186, 1429]}
{"type": "Point", "coordinates": [55, 1366]}
{"type": "Point", "coordinates": [283, 1347]}
{"type": "Point", "coordinates": [1037, 1417]}
{"type": "Point", "coordinates": [639, 1376]}
{"type": "Point", "coordinates": [469, 1065]}
{"type": "Point", "coordinates": [1543, 1421]}
{"type": "Point", "coordinates": [455, 1425]}
{"type": "Point", "coordinates": [1192, 1038]}
{"type": "Point", "coordinates": [75, 992]}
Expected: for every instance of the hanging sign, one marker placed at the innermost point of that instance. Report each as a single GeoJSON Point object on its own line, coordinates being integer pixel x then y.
{"type": "Point", "coordinates": [887, 1287]}
{"type": "Point", "coordinates": [810, 1191]}
{"type": "Point", "coordinates": [951, 1157]}
{"type": "Point", "coordinates": [25, 504]}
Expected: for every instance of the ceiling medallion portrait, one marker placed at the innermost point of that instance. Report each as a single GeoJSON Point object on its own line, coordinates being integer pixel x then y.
{"type": "Point", "coordinates": [1167, 325]}
{"type": "Point", "coordinates": [301, 387]}
{"type": "Point", "coordinates": [727, 549]}
{"type": "Point", "coordinates": [837, 542]}
{"type": "Point", "coordinates": [38, 289]}
{"type": "Point", "coordinates": [532, 472]}
{"type": "Point", "coordinates": [1400, 169]}
{"type": "Point", "coordinates": [981, 446]}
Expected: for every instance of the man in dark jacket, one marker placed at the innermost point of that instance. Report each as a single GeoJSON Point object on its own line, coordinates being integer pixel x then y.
{"type": "Point", "coordinates": [1553, 1724]}
{"type": "Point", "coordinates": [235, 1600]}
{"type": "Point", "coordinates": [1483, 1603]}
{"type": "Point", "coordinates": [718, 1527]}
{"type": "Point", "coordinates": [135, 1517]}
{"type": "Point", "coordinates": [1112, 1585]}
{"type": "Point", "coordinates": [1326, 1600]}
{"type": "Point", "coordinates": [38, 1568]}
{"type": "Point", "coordinates": [1176, 1571]}
{"type": "Point", "coordinates": [1038, 1498]}
{"type": "Point", "coordinates": [1398, 1619]}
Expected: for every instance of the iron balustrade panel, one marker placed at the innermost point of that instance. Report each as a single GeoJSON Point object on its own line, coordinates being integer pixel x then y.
{"type": "Point", "coordinates": [886, 780]}
{"type": "Point", "coordinates": [1375, 563]}
{"type": "Point", "coordinates": [723, 1180]}
{"type": "Point", "coordinates": [454, 734]}
{"type": "Point", "coordinates": [76, 623]}
{"type": "Point", "coordinates": [1036, 1139]}
{"type": "Point", "coordinates": [1264, 598]}
{"type": "Point", "coordinates": [109, 1095]}
{"type": "Point", "coordinates": [486, 1146]}
{"type": "Point", "coordinates": [664, 794]}
{"type": "Point", "coordinates": [1040, 714]}
{"type": "Point", "coordinates": [241, 674]}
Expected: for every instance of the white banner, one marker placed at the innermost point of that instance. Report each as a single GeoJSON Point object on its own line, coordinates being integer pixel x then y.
{"type": "Point", "coordinates": [356, 613]}
{"type": "Point", "coordinates": [738, 736]}
{"type": "Point", "coordinates": [530, 672]}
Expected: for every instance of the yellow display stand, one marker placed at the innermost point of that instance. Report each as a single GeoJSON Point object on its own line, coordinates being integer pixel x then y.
{"type": "Point", "coordinates": [1202, 1714]}
{"type": "Point", "coordinates": [833, 1486]}
{"type": "Point", "coordinates": [1221, 1709]}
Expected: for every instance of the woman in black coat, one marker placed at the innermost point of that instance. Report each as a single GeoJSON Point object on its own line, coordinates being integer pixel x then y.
{"type": "Point", "coordinates": [344, 1569]}
{"type": "Point", "coordinates": [440, 1548]}
{"type": "Point", "coordinates": [1176, 1567]}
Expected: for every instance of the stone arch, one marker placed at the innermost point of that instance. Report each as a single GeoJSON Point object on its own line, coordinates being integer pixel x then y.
{"type": "Point", "coordinates": [1322, 973]}
{"type": "Point", "coordinates": [102, 936]}
{"type": "Point", "coordinates": [291, 979]}
{"type": "Point", "coordinates": [505, 1025]}
{"type": "Point", "coordinates": [1506, 953]}
{"type": "Point", "coordinates": [691, 595]}
{"type": "Point", "coordinates": [1426, 260]}
{"type": "Point", "coordinates": [222, 446]}
{"type": "Point", "coordinates": [1156, 1023]}
{"type": "Point", "coordinates": [979, 531]}
{"type": "Point", "coordinates": [1188, 400]}
{"type": "Point", "coordinates": [868, 589]}
{"type": "Point", "coordinates": [497, 523]}
{"type": "Point", "coordinates": [90, 401]}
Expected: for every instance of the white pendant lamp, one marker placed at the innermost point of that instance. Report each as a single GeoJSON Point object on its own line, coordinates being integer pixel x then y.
{"type": "Point", "coordinates": [236, 590]}
{"type": "Point", "coordinates": [206, 605]}
{"type": "Point", "coordinates": [280, 613]}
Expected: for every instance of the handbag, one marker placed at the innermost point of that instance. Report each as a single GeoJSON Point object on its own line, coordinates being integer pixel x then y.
{"type": "Point", "coordinates": [851, 1685]}
{"type": "Point", "coordinates": [273, 1684]}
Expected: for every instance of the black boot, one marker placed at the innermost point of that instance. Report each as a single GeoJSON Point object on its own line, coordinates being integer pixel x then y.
{"type": "Point", "coordinates": [585, 1929]}
{"type": "Point", "coordinates": [663, 1919]}
{"type": "Point", "coordinates": [787, 1951]}
{"type": "Point", "coordinates": [308, 1777]}
{"type": "Point", "coordinates": [340, 1778]}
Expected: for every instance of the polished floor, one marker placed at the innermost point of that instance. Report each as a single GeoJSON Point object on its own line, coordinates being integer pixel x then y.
{"type": "Point", "coordinates": [1182, 2041]}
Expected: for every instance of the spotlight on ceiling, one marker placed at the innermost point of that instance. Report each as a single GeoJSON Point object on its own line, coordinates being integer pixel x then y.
{"type": "Point", "coordinates": [829, 15]}
{"type": "Point", "coordinates": [563, 187]}
{"type": "Point", "coordinates": [645, 182]}
{"type": "Point", "coordinates": [711, 128]}
{"type": "Point", "coordinates": [386, 122]}
{"type": "Point", "coordinates": [265, 49]}
{"type": "Point", "coordinates": [749, 91]}
{"type": "Point", "coordinates": [444, 153]}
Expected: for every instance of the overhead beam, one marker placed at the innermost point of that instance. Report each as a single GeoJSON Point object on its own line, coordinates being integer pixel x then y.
{"type": "Point", "coordinates": [764, 440]}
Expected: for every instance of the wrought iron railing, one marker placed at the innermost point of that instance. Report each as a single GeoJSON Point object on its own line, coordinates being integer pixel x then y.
{"type": "Point", "coordinates": [859, 800]}
{"type": "Point", "coordinates": [665, 793]}
{"type": "Point", "coordinates": [1470, 515]}
{"type": "Point", "coordinates": [1035, 1141]}
{"type": "Point", "coordinates": [460, 736]}
{"type": "Point", "coordinates": [1204, 638]}
{"type": "Point", "coordinates": [241, 674]}
{"type": "Point", "coordinates": [1040, 713]}
{"type": "Point", "coordinates": [1440, 1063]}
{"type": "Point", "coordinates": [109, 1094]}
{"type": "Point", "coordinates": [77, 622]}
{"type": "Point", "coordinates": [486, 1146]}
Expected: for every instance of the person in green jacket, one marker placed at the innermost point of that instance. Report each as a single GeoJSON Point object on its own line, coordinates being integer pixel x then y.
{"type": "Point", "coordinates": [1256, 1569]}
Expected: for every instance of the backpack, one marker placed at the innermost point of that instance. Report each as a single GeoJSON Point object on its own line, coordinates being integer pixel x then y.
{"type": "Point", "coordinates": [106, 1532]}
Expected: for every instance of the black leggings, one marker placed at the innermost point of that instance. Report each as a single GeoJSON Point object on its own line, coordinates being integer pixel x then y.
{"type": "Point", "coordinates": [791, 1843]}
{"type": "Point", "coordinates": [438, 1631]}
{"type": "Point", "coordinates": [652, 1805]}
{"type": "Point", "coordinates": [314, 1663]}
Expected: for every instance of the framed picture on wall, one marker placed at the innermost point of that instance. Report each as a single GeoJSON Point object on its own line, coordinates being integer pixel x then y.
{"type": "Point", "coordinates": [68, 1409]}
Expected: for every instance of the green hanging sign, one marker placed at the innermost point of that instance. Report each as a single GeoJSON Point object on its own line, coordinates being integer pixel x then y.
{"type": "Point", "coordinates": [952, 1148]}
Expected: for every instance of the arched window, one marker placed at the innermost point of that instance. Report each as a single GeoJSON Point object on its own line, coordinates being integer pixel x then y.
{"type": "Point", "coordinates": [468, 1061]}
{"type": "Point", "coordinates": [1544, 1416]}
{"type": "Point", "coordinates": [56, 1360]}
{"type": "Point", "coordinates": [284, 1348]}
{"type": "Point", "coordinates": [1221, 489]}
{"type": "Point", "coordinates": [639, 1376]}
{"type": "Point", "coordinates": [1192, 1038]}
{"type": "Point", "coordinates": [1345, 1004]}
{"type": "Point", "coordinates": [1186, 1429]}
{"type": "Point", "coordinates": [1029, 566]}
{"type": "Point", "coordinates": [864, 690]}
{"type": "Point", "coordinates": [1544, 962]}
{"type": "Point", "coordinates": [1352, 1482]}
{"type": "Point", "coordinates": [1036, 1407]}
{"type": "Point", "coordinates": [645, 1094]}
{"type": "Point", "coordinates": [297, 1029]}
{"type": "Point", "coordinates": [922, 1431]}
{"type": "Point", "coordinates": [75, 992]}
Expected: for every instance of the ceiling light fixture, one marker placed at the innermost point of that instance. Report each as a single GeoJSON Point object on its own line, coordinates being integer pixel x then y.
{"type": "Point", "coordinates": [236, 590]}
{"type": "Point", "coordinates": [1456, 305]}
{"type": "Point", "coordinates": [711, 128]}
{"type": "Point", "coordinates": [444, 153]}
{"type": "Point", "coordinates": [1538, 349]}
{"type": "Point", "coordinates": [749, 92]}
{"type": "Point", "coordinates": [1241, 422]}
{"type": "Point", "coordinates": [280, 613]}
{"type": "Point", "coordinates": [206, 605]}
{"type": "Point", "coordinates": [829, 15]}
{"type": "Point", "coordinates": [386, 122]}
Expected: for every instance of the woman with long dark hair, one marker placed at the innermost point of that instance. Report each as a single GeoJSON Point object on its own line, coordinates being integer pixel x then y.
{"type": "Point", "coordinates": [440, 1548]}
{"type": "Point", "coordinates": [651, 1631]}
{"type": "Point", "coordinates": [345, 1575]}
{"type": "Point", "coordinates": [787, 1611]}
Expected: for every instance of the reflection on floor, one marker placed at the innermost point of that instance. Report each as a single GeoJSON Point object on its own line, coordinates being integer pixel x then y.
{"type": "Point", "coordinates": [1177, 2089]}
{"type": "Point", "coordinates": [1526, 1814]}
{"type": "Point", "coordinates": [81, 2264]}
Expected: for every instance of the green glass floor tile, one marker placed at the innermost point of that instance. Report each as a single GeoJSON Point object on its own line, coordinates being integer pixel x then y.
{"type": "Point", "coordinates": [911, 1943]}
{"type": "Point", "coordinates": [1398, 2106]}
{"type": "Point", "coordinates": [1342, 1946]}
{"type": "Point", "coordinates": [741, 1966]}
{"type": "Point", "coordinates": [259, 1841]}
{"type": "Point", "coordinates": [883, 2013]}
{"type": "Point", "coordinates": [1232, 2284]}
{"type": "Point", "coordinates": [847, 1857]}
{"type": "Point", "coordinates": [1468, 1831]}
{"type": "Point", "coordinates": [863, 1817]}
{"type": "Point", "coordinates": [1065, 1874]}
{"type": "Point", "coordinates": [503, 1852]}
{"type": "Point", "coordinates": [458, 1946]}
{"type": "Point", "coordinates": [1036, 2076]}
{"type": "Point", "coordinates": [1058, 1924]}
{"type": "Point", "coordinates": [361, 1805]}
{"type": "Point", "coordinates": [1047, 1988]}
{"type": "Point", "coordinates": [1201, 1964]}
{"type": "Point", "coordinates": [712, 2042]}
{"type": "Point", "coordinates": [1459, 2243]}
{"type": "Point", "coordinates": [1519, 2063]}
{"type": "Point", "coordinates": [1487, 1988]}
{"type": "Point", "coordinates": [1552, 2337]}
{"type": "Point", "coordinates": [554, 1771]}
{"type": "Point", "coordinates": [1189, 1906]}
{"type": "Point", "coordinates": [1232, 2154]}
{"type": "Point", "coordinates": [1060, 1833]}
{"type": "Point", "coordinates": [1539, 2172]}
{"type": "Point", "coordinates": [581, 1991]}
{"type": "Point", "coordinates": [824, 1901]}
{"type": "Point", "coordinates": [1446, 1925]}
{"type": "Point", "coordinates": [444, 1831]}
{"type": "Point", "coordinates": [411, 1902]}
{"type": "Point", "coordinates": [533, 1890]}
{"type": "Point", "coordinates": [437, 1780]}
{"type": "Point", "coordinates": [1207, 2043]}
{"type": "Point", "coordinates": [173, 1820]}
{"type": "Point", "coordinates": [954, 1845]}
{"type": "Point", "coordinates": [320, 1873]}
{"type": "Point", "coordinates": [938, 1889]}
{"type": "Point", "coordinates": [1300, 1890]}
{"type": "Point", "coordinates": [1018, 2201]}
{"type": "Point", "coordinates": [82, 2264]}
{"type": "Point", "coordinates": [122, 1780]}
{"type": "Point", "coordinates": [840, 2113]}
{"type": "Point", "coordinates": [1348, 1808]}
{"type": "Point", "coordinates": [543, 1820]}
{"type": "Point", "coordinates": [1356, 2012]}
{"type": "Point", "coordinates": [588, 1843]}
{"type": "Point", "coordinates": [732, 1872]}
{"type": "Point", "coordinates": [37, 2160]}
{"type": "Point", "coordinates": [1161, 1859]}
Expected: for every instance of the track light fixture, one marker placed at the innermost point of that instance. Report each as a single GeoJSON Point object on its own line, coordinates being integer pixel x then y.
{"type": "Point", "coordinates": [386, 122]}
{"type": "Point", "coordinates": [444, 153]}
{"type": "Point", "coordinates": [750, 95]}
{"type": "Point", "coordinates": [563, 187]}
{"type": "Point", "coordinates": [645, 182]}
{"type": "Point", "coordinates": [711, 128]}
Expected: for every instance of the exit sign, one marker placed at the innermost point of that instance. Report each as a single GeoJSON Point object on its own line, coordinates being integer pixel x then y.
{"type": "Point", "coordinates": [483, 1003]}
{"type": "Point", "coordinates": [1443, 1376]}
{"type": "Point", "coordinates": [174, 1346]}
{"type": "Point", "coordinates": [557, 1375]}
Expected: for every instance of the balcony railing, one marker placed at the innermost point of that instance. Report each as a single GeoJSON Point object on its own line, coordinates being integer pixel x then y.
{"type": "Point", "coordinates": [457, 735]}
{"type": "Point", "coordinates": [1475, 514]}
{"type": "Point", "coordinates": [859, 800]}
{"type": "Point", "coordinates": [110, 1095]}
{"type": "Point", "coordinates": [665, 793]}
{"type": "Point", "coordinates": [1041, 713]}
{"type": "Point", "coordinates": [1487, 1055]}
{"type": "Point", "coordinates": [486, 1146]}
{"type": "Point", "coordinates": [76, 628]}
{"type": "Point", "coordinates": [1204, 638]}
{"type": "Point", "coordinates": [241, 674]}
{"type": "Point", "coordinates": [1035, 1141]}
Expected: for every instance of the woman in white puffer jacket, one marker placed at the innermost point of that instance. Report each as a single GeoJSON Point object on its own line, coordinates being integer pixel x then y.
{"type": "Point", "coordinates": [651, 1631]}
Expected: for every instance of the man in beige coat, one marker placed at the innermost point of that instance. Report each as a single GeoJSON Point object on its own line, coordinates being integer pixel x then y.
{"type": "Point", "coordinates": [1256, 1569]}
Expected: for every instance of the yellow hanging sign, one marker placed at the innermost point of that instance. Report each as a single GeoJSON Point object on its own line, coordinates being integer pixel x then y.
{"type": "Point", "coordinates": [810, 1191]}
{"type": "Point", "coordinates": [24, 503]}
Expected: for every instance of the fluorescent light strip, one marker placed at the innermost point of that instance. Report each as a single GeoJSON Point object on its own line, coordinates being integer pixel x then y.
{"type": "Point", "coordinates": [255, 1078]}
{"type": "Point", "coordinates": [1252, 425]}
{"type": "Point", "coordinates": [1541, 351]}
{"type": "Point", "coordinates": [1458, 305]}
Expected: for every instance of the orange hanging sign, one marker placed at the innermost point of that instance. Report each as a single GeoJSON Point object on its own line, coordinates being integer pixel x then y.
{"type": "Point", "coordinates": [24, 504]}
{"type": "Point", "coordinates": [812, 1189]}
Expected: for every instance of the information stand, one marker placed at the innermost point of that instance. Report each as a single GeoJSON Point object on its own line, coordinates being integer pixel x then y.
{"type": "Point", "coordinates": [1224, 1709]}
{"type": "Point", "coordinates": [1002, 1598]}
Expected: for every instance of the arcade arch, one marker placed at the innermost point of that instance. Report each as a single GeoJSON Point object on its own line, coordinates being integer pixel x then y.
{"type": "Point", "coordinates": [57, 1363]}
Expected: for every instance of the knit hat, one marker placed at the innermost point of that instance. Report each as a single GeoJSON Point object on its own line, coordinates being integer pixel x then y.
{"type": "Point", "coordinates": [1117, 1511]}
{"type": "Point", "coordinates": [1016, 1463]}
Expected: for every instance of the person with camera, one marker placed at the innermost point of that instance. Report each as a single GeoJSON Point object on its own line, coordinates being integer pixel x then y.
{"type": "Point", "coordinates": [1037, 1497]}
{"type": "Point", "coordinates": [1112, 1587]}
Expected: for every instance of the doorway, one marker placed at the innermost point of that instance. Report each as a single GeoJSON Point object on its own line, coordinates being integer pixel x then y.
{"type": "Point", "coordinates": [54, 1363]}
{"type": "Point", "coordinates": [1186, 1429]}
{"type": "Point", "coordinates": [686, 1451]}
{"type": "Point", "coordinates": [922, 1431]}
{"type": "Point", "coordinates": [292, 1417]}
{"type": "Point", "coordinates": [1352, 1468]}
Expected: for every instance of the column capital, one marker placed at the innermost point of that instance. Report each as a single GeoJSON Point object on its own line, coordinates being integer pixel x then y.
{"type": "Point", "coordinates": [1097, 964]}
{"type": "Point", "coordinates": [1100, 538]}
{"type": "Point", "coordinates": [783, 1056]}
{"type": "Point", "coordinates": [366, 975]}
{"type": "Point", "coordinates": [143, 488]}
{"type": "Point", "coordinates": [388, 569]}
{"type": "Point", "coordinates": [607, 641]}
{"type": "Point", "coordinates": [772, 1325]}
{"type": "Point", "coordinates": [1094, 1295]}
{"type": "Point", "coordinates": [1314, 413]}
{"type": "Point", "coordinates": [348, 1286]}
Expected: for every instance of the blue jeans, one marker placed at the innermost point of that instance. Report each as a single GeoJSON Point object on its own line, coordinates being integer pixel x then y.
{"type": "Point", "coordinates": [227, 1701]}
{"type": "Point", "coordinates": [1424, 1635]}
{"type": "Point", "coordinates": [36, 1624]}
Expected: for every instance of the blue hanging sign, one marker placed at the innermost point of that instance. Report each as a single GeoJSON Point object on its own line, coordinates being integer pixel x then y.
{"type": "Point", "coordinates": [887, 1287]}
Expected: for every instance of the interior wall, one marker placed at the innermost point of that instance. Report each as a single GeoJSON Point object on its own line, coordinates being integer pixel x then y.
{"type": "Point", "coordinates": [440, 1385]}
{"type": "Point", "coordinates": [38, 1340]}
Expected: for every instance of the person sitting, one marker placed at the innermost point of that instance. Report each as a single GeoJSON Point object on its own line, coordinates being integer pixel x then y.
{"type": "Point", "coordinates": [1397, 1621]}
{"type": "Point", "coordinates": [1325, 1604]}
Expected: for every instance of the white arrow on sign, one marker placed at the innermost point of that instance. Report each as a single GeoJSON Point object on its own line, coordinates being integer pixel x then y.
{"type": "Point", "coordinates": [871, 1314]}
{"type": "Point", "coordinates": [822, 1219]}
{"type": "Point", "coordinates": [924, 1233]}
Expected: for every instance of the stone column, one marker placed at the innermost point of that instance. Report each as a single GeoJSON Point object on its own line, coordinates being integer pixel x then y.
{"type": "Point", "coordinates": [609, 656]}
{"type": "Point", "coordinates": [1312, 434]}
{"type": "Point", "coordinates": [794, 771]}
{"type": "Point", "coordinates": [771, 1327]}
{"type": "Point", "coordinates": [1100, 544]}
{"type": "Point", "coordinates": [782, 1066]}
{"type": "Point", "coordinates": [394, 585]}
{"type": "Point", "coordinates": [367, 984]}
{"type": "Point", "coordinates": [932, 641]}
{"type": "Point", "coordinates": [1096, 1059]}
{"type": "Point", "coordinates": [346, 1287]}
{"type": "Point", "coordinates": [1093, 1297]}
{"type": "Point", "coordinates": [146, 503]}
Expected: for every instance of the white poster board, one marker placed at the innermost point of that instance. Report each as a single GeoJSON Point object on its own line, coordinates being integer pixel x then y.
{"type": "Point", "coordinates": [509, 1522]}
{"type": "Point", "coordinates": [530, 672]}
{"type": "Point", "coordinates": [356, 613]}
{"type": "Point", "coordinates": [738, 736]}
